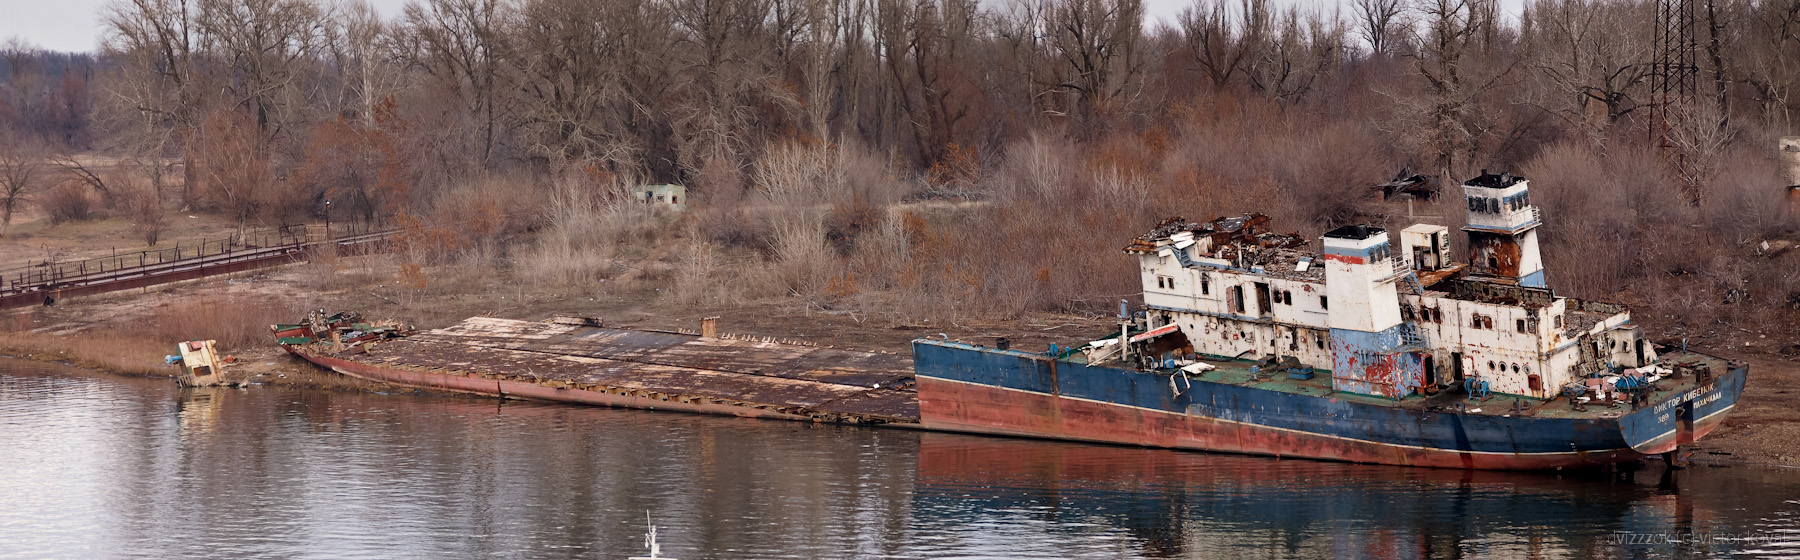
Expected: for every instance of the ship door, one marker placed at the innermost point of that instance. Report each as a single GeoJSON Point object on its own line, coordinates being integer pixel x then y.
{"type": "Point", "coordinates": [1431, 374]}
{"type": "Point", "coordinates": [1456, 368]}
{"type": "Point", "coordinates": [1263, 307]}
{"type": "Point", "coordinates": [1640, 352]}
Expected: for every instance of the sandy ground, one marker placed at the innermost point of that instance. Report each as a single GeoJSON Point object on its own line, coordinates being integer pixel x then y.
{"type": "Point", "coordinates": [1762, 430]}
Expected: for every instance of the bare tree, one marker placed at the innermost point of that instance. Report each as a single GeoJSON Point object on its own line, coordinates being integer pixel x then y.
{"type": "Point", "coordinates": [1381, 23]}
{"type": "Point", "coordinates": [1454, 52]}
{"type": "Point", "coordinates": [460, 45]}
{"type": "Point", "coordinates": [1305, 46]}
{"type": "Point", "coordinates": [356, 40]}
{"type": "Point", "coordinates": [154, 101]}
{"type": "Point", "coordinates": [267, 45]}
{"type": "Point", "coordinates": [1097, 42]}
{"type": "Point", "coordinates": [1224, 45]}
{"type": "Point", "coordinates": [1592, 57]}
{"type": "Point", "coordinates": [21, 174]}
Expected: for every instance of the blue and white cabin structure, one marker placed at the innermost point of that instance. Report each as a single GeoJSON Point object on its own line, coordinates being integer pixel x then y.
{"type": "Point", "coordinates": [1502, 229]}
{"type": "Point", "coordinates": [1384, 321]}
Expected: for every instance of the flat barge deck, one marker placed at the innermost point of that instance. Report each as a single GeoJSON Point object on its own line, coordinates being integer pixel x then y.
{"type": "Point", "coordinates": [574, 360]}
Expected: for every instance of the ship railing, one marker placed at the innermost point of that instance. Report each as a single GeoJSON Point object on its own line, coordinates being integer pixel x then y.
{"type": "Point", "coordinates": [1405, 337]}
{"type": "Point", "coordinates": [1411, 336]}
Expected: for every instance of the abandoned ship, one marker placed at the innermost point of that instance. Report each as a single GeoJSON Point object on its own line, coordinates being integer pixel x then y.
{"type": "Point", "coordinates": [1361, 353]}
{"type": "Point", "coordinates": [1247, 342]}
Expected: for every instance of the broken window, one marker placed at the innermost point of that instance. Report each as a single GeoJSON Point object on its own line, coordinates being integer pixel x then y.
{"type": "Point", "coordinates": [1521, 325]}
{"type": "Point", "coordinates": [1237, 299]}
{"type": "Point", "coordinates": [1324, 303]}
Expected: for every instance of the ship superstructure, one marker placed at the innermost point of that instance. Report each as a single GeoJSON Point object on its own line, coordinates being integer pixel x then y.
{"type": "Point", "coordinates": [1384, 320]}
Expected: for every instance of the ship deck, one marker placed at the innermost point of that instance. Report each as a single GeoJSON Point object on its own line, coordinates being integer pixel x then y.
{"type": "Point", "coordinates": [824, 383]}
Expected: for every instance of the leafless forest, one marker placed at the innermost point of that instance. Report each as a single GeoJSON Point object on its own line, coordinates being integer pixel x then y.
{"type": "Point", "coordinates": [907, 159]}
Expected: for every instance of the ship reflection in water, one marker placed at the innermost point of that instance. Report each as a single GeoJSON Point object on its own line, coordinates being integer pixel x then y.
{"type": "Point", "coordinates": [93, 465]}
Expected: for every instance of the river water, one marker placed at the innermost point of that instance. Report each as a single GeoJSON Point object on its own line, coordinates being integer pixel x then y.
{"type": "Point", "coordinates": [93, 465]}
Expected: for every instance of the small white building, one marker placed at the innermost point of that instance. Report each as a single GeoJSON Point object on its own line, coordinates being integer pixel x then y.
{"type": "Point", "coordinates": [1387, 322]}
{"type": "Point", "coordinates": [675, 196]}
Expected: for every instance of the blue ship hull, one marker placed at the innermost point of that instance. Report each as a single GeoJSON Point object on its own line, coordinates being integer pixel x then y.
{"type": "Point", "coordinates": [983, 390]}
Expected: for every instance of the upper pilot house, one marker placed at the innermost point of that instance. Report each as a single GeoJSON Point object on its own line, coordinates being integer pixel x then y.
{"type": "Point", "coordinates": [1386, 321]}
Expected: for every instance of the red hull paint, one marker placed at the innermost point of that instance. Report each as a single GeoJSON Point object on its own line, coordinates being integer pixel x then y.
{"type": "Point", "coordinates": [964, 407]}
{"type": "Point", "coordinates": [518, 390]}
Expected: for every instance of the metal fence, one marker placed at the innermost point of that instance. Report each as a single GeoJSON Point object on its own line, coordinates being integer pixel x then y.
{"type": "Point", "coordinates": [52, 272]}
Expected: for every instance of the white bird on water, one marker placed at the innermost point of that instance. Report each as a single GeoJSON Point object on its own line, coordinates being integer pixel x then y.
{"type": "Point", "coordinates": [650, 542]}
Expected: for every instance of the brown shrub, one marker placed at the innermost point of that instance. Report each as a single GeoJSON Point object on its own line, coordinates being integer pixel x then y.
{"type": "Point", "coordinates": [69, 201]}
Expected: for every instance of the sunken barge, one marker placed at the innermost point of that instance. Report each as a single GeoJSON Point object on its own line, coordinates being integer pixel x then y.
{"type": "Point", "coordinates": [575, 360]}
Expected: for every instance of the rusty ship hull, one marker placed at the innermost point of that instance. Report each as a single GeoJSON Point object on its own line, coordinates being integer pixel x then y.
{"type": "Point", "coordinates": [578, 363]}
{"type": "Point", "coordinates": [966, 388]}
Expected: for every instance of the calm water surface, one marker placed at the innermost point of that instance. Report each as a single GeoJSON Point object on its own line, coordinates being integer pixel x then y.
{"type": "Point", "coordinates": [99, 466]}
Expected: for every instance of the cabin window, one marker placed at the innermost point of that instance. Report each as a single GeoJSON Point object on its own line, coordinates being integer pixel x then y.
{"type": "Point", "coordinates": [1521, 325]}
{"type": "Point", "coordinates": [1324, 303]}
{"type": "Point", "coordinates": [1437, 315]}
{"type": "Point", "coordinates": [1320, 341]}
{"type": "Point", "coordinates": [1237, 299]}
{"type": "Point", "coordinates": [1490, 365]}
{"type": "Point", "coordinates": [1474, 321]}
{"type": "Point", "coordinates": [1557, 320]}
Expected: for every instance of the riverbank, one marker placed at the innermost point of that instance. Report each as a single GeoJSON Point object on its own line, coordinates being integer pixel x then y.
{"type": "Point", "coordinates": [128, 333]}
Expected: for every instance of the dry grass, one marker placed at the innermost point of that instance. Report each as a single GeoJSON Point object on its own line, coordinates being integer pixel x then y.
{"type": "Point", "coordinates": [236, 321]}
{"type": "Point", "coordinates": [111, 351]}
